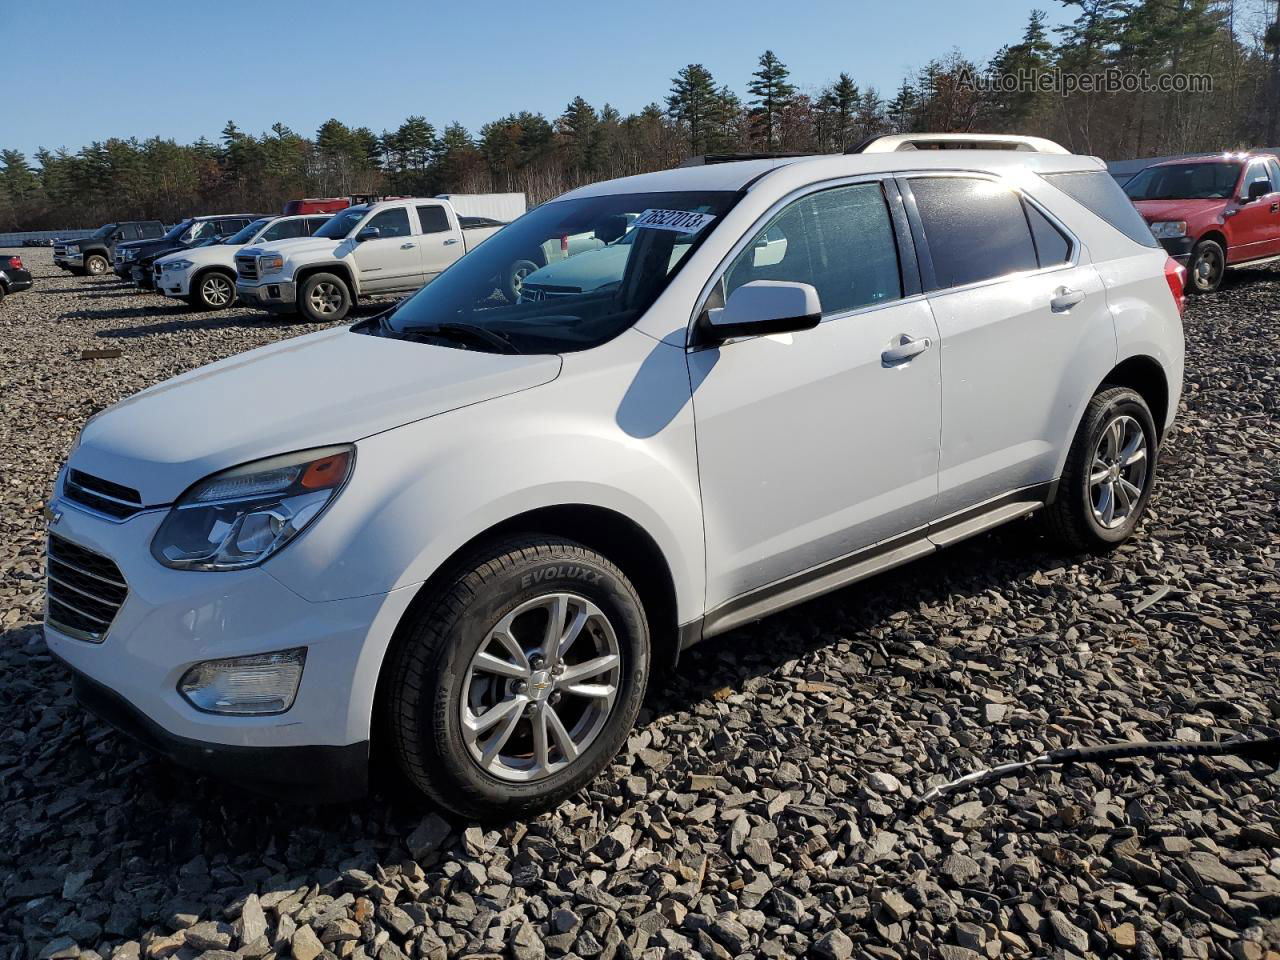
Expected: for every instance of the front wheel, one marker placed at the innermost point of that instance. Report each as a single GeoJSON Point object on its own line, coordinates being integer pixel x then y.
{"type": "Point", "coordinates": [1109, 473]}
{"type": "Point", "coordinates": [324, 298]}
{"type": "Point", "coordinates": [213, 291]}
{"type": "Point", "coordinates": [95, 265]}
{"type": "Point", "coordinates": [519, 680]}
{"type": "Point", "coordinates": [1207, 267]}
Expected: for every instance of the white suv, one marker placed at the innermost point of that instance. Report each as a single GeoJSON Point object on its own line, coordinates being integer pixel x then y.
{"type": "Point", "coordinates": [475, 525]}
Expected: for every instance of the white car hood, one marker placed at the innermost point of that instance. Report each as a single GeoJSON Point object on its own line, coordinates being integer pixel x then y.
{"type": "Point", "coordinates": [330, 387]}
{"type": "Point", "coordinates": [216, 253]}
{"type": "Point", "coordinates": [298, 247]}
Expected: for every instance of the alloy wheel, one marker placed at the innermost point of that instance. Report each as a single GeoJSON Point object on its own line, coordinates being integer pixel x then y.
{"type": "Point", "coordinates": [1207, 269]}
{"type": "Point", "coordinates": [216, 291]}
{"type": "Point", "coordinates": [1118, 474]}
{"type": "Point", "coordinates": [326, 298]}
{"type": "Point", "coordinates": [540, 687]}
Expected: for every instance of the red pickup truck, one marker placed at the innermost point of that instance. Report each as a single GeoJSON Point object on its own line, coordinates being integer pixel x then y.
{"type": "Point", "coordinates": [1211, 213]}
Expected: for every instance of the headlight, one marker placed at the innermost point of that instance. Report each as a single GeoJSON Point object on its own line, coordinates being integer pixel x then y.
{"type": "Point", "coordinates": [1169, 229]}
{"type": "Point", "coordinates": [176, 265]}
{"type": "Point", "coordinates": [270, 263]}
{"type": "Point", "coordinates": [238, 518]}
{"type": "Point", "coordinates": [261, 684]}
{"type": "Point", "coordinates": [131, 254]}
{"type": "Point", "coordinates": [73, 248]}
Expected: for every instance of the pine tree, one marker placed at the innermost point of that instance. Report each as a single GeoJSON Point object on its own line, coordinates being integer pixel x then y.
{"type": "Point", "coordinates": [901, 111]}
{"type": "Point", "coordinates": [838, 104]}
{"type": "Point", "coordinates": [771, 91]}
{"type": "Point", "coordinates": [579, 126]}
{"type": "Point", "coordinates": [692, 102]}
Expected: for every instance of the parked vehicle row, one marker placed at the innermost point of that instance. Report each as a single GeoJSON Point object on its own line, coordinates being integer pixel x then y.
{"type": "Point", "coordinates": [133, 261]}
{"type": "Point", "coordinates": [475, 525]}
{"type": "Point", "coordinates": [1212, 213]}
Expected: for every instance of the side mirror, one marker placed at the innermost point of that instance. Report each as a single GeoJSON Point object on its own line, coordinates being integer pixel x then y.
{"type": "Point", "coordinates": [368, 233]}
{"type": "Point", "coordinates": [763, 307]}
{"type": "Point", "coordinates": [1258, 189]}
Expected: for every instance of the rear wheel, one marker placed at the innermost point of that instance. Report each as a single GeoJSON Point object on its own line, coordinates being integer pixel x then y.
{"type": "Point", "coordinates": [324, 298]}
{"type": "Point", "coordinates": [95, 264]}
{"type": "Point", "coordinates": [213, 291]}
{"type": "Point", "coordinates": [1207, 267]}
{"type": "Point", "coordinates": [1109, 474]}
{"type": "Point", "coordinates": [520, 680]}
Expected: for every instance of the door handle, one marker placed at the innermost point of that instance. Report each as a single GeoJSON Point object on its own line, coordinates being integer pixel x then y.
{"type": "Point", "coordinates": [905, 349]}
{"type": "Point", "coordinates": [407, 246]}
{"type": "Point", "coordinates": [1064, 299]}
{"type": "Point", "coordinates": [451, 241]}
{"type": "Point", "coordinates": [1275, 207]}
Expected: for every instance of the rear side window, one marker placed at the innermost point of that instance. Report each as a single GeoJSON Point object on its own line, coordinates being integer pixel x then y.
{"type": "Point", "coordinates": [976, 229]}
{"type": "Point", "coordinates": [840, 240]}
{"type": "Point", "coordinates": [1273, 166]}
{"type": "Point", "coordinates": [1102, 196]}
{"type": "Point", "coordinates": [433, 219]}
{"type": "Point", "coordinates": [1052, 248]}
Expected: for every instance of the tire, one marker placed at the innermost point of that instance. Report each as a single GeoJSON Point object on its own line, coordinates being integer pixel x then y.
{"type": "Point", "coordinates": [213, 290]}
{"type": "Point", "coordinates": [1206, 267]}
{"type": "Point", "coordinates": [514, 278]}
{"type": "Point", "coordinates": [435, 682]}
{"type": "Point", "coordinates": [324, 298]}
{"type": "Point", "coordinates": [1079, 517]}
{"type": "Point", "coordinates": [95, 265]}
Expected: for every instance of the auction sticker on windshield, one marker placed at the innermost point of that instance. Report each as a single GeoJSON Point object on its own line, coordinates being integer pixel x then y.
{"type": "Point", "coordinates": [679, 221]}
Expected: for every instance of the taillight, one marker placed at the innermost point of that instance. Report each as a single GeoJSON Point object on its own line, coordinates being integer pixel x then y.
{"type": "Point", "coordinates": [15, 263]}
{"type": "Point", "coordinates": [1175, 274]}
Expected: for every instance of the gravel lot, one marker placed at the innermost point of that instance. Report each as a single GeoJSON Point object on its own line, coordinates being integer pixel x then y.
{"type": "Point", "coordinates": [761, 807]}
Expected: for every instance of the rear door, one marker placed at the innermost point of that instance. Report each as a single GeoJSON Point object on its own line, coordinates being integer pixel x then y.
{"type": "Point", "coordinates": [390, 262]}
{"type": "Point", "coordinates": [1024, 327]}
{"type": "Point", "coordinates": [441, 240]}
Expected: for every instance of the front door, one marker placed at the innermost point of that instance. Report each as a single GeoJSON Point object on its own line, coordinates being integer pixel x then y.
{"type": "Point", "coordinates": [1254, 226]}
{"type": "Point", "coordinates": [389, 262]}
{"type": "Point", "coordinates": [812, 445]}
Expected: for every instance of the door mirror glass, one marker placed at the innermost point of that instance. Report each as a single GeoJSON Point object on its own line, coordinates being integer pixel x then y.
{"type": "Point", "coordinates": [764, 307]}
{"type": "Point", "coordinates": [1257, 189]}
{"type": "Point", "coordinates": [368, 233]}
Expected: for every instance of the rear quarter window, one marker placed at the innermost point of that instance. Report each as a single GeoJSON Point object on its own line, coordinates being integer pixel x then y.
{"type": "Point", "coordinates": [1103, 197]}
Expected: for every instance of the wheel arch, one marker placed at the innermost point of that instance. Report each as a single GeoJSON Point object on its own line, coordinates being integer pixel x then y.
{"type": "Point", "coordinates": [228, 272]}
{"type": "Point", "coordinates": [1144, 375]}
{"type": "Point", "coordinates": [609, 532]}
{"type": "Point", "coordinates": [337, 268]}
{"type": "Point", "coordinates": [1216, 235]}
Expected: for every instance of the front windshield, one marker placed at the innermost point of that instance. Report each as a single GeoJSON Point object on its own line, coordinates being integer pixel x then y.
{"type": "Point", "coordinates": [569, 275]}
{"type": "Point", "coordinates": [102, 231]}
{"type": "Point", "coordinates": [245, 235]}
{"type": "Point", "coordinates": [1185, 181]}
{"type": "Point", "coordinates": [342, 223]}
{"type": "Point", "coordinates": [178, 230]}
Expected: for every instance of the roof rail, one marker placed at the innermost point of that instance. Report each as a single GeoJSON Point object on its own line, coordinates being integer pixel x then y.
{"type": "Point", "coordinates": [706, 158]}
{"type": "Point", "coordinates": [895, 142]}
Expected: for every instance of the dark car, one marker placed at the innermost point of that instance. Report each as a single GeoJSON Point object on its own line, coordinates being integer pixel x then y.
{"type": "Point", "coordinates": [13, 275]}
{"type": "Point", "coordinates": [93, 254]}
{"type": "Point", "coordinates": [133, 260]}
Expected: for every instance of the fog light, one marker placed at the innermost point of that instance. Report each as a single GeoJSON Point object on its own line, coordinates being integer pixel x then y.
{"type": "Point", "coordinates": [262, 684]}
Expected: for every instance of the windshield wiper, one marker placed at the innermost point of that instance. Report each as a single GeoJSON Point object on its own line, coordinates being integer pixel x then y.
{"type": "Point", "coordinates": [462, 332]}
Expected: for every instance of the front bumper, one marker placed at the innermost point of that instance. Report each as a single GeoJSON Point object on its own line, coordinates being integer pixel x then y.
{"type": "Point", "coordinates": [173, 283]}
{"type": "Point", "coordinates": [310, 774]}
{"type": "Point", "coordinates": [267, 296]}
{"type": "Point", "coordinates": [173, 619]}
{"type": "Point", "coordinates": [1179, 248]}
{"type": "Point", "coordinates": [73, 261]}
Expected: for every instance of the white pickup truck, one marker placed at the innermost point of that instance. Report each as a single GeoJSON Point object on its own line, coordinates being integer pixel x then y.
{"type": "Point", "coordinates": [393, 246]}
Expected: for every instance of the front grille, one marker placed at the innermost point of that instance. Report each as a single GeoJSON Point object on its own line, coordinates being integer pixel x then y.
{"type": "Point", "coordinates": [59, 249]}
{"type": "Point", "coordinates": [247, 268]}
{"type": "Point", "coordinates": [101, 495]}
{"type": "Point", "coordinates": [85, 591]}
{"type": "Point", "coordinates": [541, 291]}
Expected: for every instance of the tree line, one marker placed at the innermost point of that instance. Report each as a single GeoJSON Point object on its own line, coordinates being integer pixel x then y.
{"type": "Point", "coordinates": [1235, 43]}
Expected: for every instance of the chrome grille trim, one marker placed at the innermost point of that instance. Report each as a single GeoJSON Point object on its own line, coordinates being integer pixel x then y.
{"type": "Point", "coordinates": [101, 496]}
{"type": "Point", "coordinates": [84, 590]}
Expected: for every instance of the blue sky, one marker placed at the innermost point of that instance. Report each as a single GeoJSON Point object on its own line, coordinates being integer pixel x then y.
{"type": "Point", "coordinates": [182, 69]}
